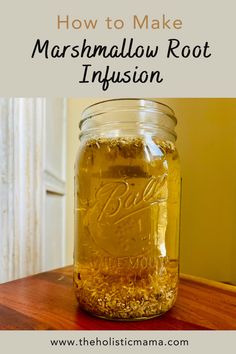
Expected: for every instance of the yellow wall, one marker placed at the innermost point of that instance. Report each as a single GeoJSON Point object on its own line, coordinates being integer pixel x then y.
{"type": "Point", "coordinates": [207, 145]}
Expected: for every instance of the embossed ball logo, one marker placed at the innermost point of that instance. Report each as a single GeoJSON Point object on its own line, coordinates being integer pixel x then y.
{"type": "Point", "coordinates": [126, 214]}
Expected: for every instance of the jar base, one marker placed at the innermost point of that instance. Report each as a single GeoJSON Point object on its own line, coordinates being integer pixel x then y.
{"type": "Point", "coordinates": [113, 319]}
{"type": "Point", "coordinates": [124, 308]}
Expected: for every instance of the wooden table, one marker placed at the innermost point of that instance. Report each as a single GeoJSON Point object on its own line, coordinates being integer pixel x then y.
{"type": "Point", "coordinates": [46, 301]}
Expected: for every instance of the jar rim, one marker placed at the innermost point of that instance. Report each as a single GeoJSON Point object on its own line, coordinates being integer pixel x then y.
{"type": "Point", "coordinates": [115, 105]}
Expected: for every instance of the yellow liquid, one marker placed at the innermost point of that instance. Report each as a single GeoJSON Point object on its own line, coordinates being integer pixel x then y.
{"type": "Point", "coordinates": [126, 227]}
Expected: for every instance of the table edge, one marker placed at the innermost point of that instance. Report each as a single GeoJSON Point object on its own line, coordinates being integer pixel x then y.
{"type": "Point", "coordinates": [212, 283]}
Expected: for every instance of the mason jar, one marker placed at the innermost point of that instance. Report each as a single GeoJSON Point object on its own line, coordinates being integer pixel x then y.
{"type": "Point", "coordinates": [127, 206]}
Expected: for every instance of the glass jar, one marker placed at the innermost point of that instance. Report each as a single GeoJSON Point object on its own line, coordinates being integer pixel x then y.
{"type": "Point", "coordinates": [127, 203]}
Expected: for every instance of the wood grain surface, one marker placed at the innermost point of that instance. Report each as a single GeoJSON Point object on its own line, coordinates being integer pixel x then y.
{"type": "Point", "coordinates": [46, 301]}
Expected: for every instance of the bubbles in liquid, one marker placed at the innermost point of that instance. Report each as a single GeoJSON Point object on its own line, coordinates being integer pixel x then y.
{"type": "Point", "coordinates": [126, 212]}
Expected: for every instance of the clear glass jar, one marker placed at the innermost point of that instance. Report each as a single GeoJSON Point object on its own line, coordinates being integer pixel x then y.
{"type": "Point", "coordinates": [127, 201]}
